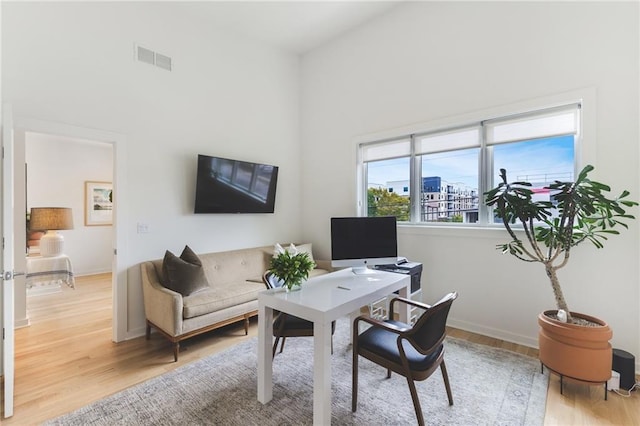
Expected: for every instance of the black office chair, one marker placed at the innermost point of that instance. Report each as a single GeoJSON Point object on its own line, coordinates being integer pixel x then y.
{"type": "Point", "coordinates": [285, 325]}
{"type": "Point", "coordinates": [414, 352]}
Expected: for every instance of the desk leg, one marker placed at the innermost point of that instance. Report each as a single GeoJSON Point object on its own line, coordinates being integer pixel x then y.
{"type": "Point", "coordinates": [265, 360]}
{"type": "Point", "coordinates": [321, 373]}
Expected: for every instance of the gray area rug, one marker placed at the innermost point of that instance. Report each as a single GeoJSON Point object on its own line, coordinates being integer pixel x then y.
{"type": "Point", "coordinates": [490, 387]}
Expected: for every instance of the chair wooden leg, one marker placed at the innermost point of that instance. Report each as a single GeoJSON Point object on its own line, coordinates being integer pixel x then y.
{"type": "Point", "coordinates": [176, 349]}
{"type": "Point", "coordinates": [416, 401]}
{"type": "Point", "coordinates": [445, 377]}
{"type": "Point", "coordinates": [275, 346]}
{"type": "Point", "coordinates": [282, 344]}
{"type": "Point", "coordinates": [354, 381]}
{"type": "Point", "coordinates": [388, 373]}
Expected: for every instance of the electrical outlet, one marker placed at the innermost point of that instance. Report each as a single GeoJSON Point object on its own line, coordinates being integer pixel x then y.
{"type": "Point", "coordinates": [143, 228]}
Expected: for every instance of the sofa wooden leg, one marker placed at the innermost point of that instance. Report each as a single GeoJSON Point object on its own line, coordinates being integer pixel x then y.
{"type": "Point", "coordinates": [148, 333]}
{"type": "Point", "coordinates": [176, 349]}
{"type": "Point", "coordinates": [246, 325]}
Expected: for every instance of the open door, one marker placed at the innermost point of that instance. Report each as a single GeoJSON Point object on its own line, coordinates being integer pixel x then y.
{"type": "Point", "coordinates": [8, 340]}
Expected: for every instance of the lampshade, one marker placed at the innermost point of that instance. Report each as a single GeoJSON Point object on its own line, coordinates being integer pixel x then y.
{"type": "Point", "coordinates": [51, 219]}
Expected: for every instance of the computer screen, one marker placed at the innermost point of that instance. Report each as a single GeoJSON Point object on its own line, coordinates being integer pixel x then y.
{"type": "Point", "coordinates": [359, 242]}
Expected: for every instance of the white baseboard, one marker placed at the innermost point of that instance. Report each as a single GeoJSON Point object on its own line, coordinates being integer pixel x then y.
{"type": "Point", "coordinates": [84, 273]}
{"type": "Point", "coordinates": [22, 323]}
{"type": "Point", "coordinates": [136, 332]}
{"type": "Point", "coordinates": [494, 332]}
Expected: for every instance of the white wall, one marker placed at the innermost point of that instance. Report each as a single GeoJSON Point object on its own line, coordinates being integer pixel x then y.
{"type": "Point", "coordinates": [57, 170]}
{"type": "Point", "coordinates": [425, 61]}
{"type": "Point", "coordinates": [73, 63]}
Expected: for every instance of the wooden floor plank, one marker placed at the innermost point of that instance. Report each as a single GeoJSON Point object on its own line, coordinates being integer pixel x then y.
{"type": "Point", "coordinates": [65, 359]}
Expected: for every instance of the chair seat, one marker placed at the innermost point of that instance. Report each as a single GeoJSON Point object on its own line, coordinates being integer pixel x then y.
{"type": "Point", "coordinates": [293, 322]}
{"type": "Point", "coordinates": [385, 344]}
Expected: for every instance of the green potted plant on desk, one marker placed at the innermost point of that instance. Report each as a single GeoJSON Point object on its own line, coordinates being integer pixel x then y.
{"type": "Point", "coordinates": [292, 267]}
{"type": "Point", "coordinates": [571, 344]}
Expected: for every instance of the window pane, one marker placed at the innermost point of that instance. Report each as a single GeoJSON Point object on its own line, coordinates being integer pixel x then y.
{"type": "Point", "coordinates": [539, 161]}
{"type": "Point", "coordinates": [450, 186]}
{"type": "Point", "coordinates": [388, 188]}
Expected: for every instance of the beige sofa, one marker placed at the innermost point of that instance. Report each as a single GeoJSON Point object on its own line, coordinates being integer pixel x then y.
{"type": "Point", "coordinates": [234, 280]}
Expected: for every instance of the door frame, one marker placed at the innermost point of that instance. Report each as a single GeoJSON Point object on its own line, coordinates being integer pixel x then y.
{"type": "Point", "coordinates": [118, 141]}
{"type": "Point", "coordinates": [7, 292]}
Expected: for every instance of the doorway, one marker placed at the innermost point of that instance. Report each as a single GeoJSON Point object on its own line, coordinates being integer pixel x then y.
{"type": "Point", "coordinates": [117, 249]}
{"type": "Point", "coordinates": [75, 174]}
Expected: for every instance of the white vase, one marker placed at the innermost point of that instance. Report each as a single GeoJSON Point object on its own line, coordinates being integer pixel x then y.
{"type": "Point", "coordinates": [294, 287]}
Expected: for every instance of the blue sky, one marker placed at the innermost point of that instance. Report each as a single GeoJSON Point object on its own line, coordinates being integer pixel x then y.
{"type": "Point", "coordinates": [524, 160]}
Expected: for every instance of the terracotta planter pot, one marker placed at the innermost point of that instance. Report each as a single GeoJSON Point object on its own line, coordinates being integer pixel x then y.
{"type": "Point", "coordinates": [576, 351]}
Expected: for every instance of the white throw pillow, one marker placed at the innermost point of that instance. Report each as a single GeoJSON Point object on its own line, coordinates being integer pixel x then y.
{"type": "Point", "coordinates": [304, 248]}
{"type": "Point", "coordinates": [277, 249]}
{"type": "Point", "coordinates": [293, 249]}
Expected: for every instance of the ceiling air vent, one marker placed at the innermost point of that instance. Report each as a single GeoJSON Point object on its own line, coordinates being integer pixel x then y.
{"type": "Point", "coordinates": [163, 62]}
{"type": "Point", "coordinates": [145, 55]}
{"type": "Point", "coordinates": [150, 57]}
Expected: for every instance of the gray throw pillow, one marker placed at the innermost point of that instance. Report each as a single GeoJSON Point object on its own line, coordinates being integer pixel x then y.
{"type": "Point", "coordinates": [183, 274]}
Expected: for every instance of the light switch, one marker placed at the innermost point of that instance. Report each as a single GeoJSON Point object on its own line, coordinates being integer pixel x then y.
{"type": "Point", "coordinates": [143, 228]}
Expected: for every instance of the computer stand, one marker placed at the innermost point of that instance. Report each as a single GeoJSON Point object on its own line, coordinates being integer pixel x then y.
{"type": "Point", "coordinates": [362, 270]}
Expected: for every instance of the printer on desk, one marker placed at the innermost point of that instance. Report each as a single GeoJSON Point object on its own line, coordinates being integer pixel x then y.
{"type": "Point", "coordinates": [403, 266]}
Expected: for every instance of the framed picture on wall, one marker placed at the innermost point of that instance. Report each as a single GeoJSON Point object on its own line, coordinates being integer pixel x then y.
{"type": "Point", "coordinates": [98, 203]}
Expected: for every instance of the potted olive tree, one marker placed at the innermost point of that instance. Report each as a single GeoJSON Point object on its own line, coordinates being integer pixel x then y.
{"type": "Point", "coordinates": [577, 212]}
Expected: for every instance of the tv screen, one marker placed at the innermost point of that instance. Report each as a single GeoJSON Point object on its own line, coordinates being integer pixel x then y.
{"type": "Point", "coordinates": [363, 241]}
{"type": "Point", "coordinates": [234, 186]}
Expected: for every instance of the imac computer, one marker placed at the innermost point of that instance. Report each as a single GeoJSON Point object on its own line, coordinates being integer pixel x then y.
{"type": "Point", "coordinates": [359, 242]}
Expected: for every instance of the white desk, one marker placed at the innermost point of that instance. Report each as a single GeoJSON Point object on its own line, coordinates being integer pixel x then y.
{"type": "Point", "coordinates": [321, 301]}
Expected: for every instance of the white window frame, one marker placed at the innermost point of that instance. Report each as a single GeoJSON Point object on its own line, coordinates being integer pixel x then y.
{"type": "Point", "coordinates": [584, 145]}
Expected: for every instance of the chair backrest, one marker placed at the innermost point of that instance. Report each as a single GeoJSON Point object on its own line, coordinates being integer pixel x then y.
{"type": "Point", "coordinates": [430, 329]}
{"type": "Point", "coordinates": [271, 281]}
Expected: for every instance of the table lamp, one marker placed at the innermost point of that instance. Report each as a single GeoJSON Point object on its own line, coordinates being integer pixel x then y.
{"type": "Point", "coordinates": [51, 220]}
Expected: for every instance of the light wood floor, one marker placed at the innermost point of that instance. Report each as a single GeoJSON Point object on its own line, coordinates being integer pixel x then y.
{"type": "Point", "coordinates": [66, 359]}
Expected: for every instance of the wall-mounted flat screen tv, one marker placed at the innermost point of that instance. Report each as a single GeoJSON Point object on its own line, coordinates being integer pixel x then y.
{"type": "Point", "coordinates": [234, 186]}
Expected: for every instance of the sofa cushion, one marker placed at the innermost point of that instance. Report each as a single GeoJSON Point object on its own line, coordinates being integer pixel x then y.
{"type": "Point", "coordinates": [183, 274]}
{"type": "Point", "coordinates": [305, 248]}
{"type": "Point", "coordinates": [316, 272]}
{"type": "Point", "coordinates": [216, 298]}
